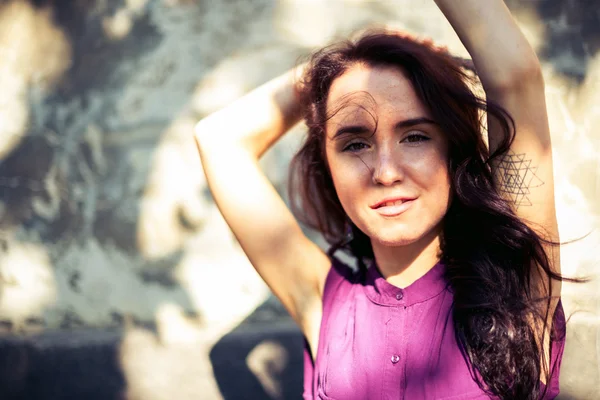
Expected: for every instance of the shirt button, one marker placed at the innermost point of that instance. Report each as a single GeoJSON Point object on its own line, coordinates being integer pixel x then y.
{"type": "Point", "coordinates": [399, 296]}
{"type": "Point", "coordinates": [395, 358]}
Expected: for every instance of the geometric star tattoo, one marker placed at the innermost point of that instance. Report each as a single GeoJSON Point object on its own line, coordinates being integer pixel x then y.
{"type": "Point", "coordinates": [515, 177]}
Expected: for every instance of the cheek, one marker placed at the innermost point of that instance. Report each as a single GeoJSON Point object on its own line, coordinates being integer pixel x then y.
{"type": "Point", "coordinates": [430, 171]}
{"type": "Point", "coordinates": [439, 183]}
{"type": "Point", "coordinates": [348, 175]}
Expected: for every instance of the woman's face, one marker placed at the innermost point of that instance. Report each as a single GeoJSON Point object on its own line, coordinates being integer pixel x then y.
{"type": "Point", "coordinates": [394, 184]}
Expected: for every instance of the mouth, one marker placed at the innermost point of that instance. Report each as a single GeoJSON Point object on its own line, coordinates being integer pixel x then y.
{"type": "Point", "coordinates": [393, 206]}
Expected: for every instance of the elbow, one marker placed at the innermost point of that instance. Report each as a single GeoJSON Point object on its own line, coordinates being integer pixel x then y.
{"type": "Point", "coordinates": [206, 133]}
{"type": "Point", "coordinates": [200, 133]}
{"type": "Point", "coordinates": [201, 139]}
{"type": "Point", "coordinates": [212, 135]}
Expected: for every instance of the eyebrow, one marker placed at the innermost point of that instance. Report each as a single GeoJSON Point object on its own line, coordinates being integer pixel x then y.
{"type": "Point", "coordinates": [361, 129]}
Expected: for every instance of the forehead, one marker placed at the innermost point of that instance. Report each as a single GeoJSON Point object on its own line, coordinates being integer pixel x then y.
{"type": "Point", "coordinates": [380, 90]}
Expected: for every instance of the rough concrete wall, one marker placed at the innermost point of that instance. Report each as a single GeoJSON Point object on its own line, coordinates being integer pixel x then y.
{"type": "Point", "coordinates": [105, 215]}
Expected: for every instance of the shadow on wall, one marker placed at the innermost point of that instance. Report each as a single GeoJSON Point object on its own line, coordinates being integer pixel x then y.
{"type": "Point", "coordinates": [73, 186]}
{"type": "Point", "coordinates": [65, 190]}
{"type": "Point", "coordinates": [62, 187]}
{"type": "Point", "coordinates": [571, 33]}
{"type": "Point", "coordinates": [73, 117]}
{"type": "Point", "coordinates": [62, 366]}
{"type": "Point", "coordinates": [261, 358]}
{"type": "Point", "coordinates": [74, 182]}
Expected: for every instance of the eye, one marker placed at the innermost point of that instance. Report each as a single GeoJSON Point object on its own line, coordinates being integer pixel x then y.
{"type": "Point", "coordinates": [415, 138]}
{"type": "Point", "coordinates": [354, 147]}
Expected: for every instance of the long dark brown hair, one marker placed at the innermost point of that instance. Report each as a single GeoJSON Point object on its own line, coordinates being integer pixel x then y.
{"type": "Point", "coordinates": [489, 252]}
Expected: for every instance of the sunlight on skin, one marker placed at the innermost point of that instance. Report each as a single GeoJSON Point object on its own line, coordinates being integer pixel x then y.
{"type": "Point", "coordinates": [36, 52]}
{"type": "Point", "coordinates": [390, 158]}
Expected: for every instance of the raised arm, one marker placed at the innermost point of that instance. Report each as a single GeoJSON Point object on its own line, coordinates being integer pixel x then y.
{"type": "Point", "coordinates": [230, 143]}
{"type": "Point", "coordinates": [500, 51]}
{"type": "Point", "coordinates": [511, 77]}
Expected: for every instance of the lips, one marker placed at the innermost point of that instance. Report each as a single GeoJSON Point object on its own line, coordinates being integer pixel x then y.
{"type": "Point", "coordinates": [390, 207]}
{"type": "Point", "coordinates": [391, 201]}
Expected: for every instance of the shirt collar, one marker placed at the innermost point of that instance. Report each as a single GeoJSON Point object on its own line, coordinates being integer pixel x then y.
{"type": "Point", "coordinates": [382, 292]}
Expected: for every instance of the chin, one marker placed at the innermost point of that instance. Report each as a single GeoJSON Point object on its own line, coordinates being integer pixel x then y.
{"type": "Point", "coordinates": [401, 237]}
{"type": "Point", "coordinates": [397, 239]}
{"type": "Point", "coordinates": [397, 242]}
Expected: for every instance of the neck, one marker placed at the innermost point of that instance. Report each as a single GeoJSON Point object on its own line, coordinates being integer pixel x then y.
{"type": "Point", "coordinates": [402, 265]}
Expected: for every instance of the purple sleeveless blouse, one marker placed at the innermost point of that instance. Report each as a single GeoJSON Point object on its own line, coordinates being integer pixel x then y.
{"type": "Point", "coordinates": [378, 341]}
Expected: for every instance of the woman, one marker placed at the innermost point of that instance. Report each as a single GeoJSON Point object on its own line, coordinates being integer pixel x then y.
{"type": "Point", "coordinates": [457, 290]}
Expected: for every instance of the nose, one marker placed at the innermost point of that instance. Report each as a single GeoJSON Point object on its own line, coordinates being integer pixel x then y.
{"type": "Point", "coordinates": [387, 169]}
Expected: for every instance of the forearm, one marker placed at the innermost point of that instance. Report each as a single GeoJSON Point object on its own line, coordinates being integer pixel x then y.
{"type": "Point", "coordinates": [500, 51]}
{"type": "Point", "coordinates": [256, 120]}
